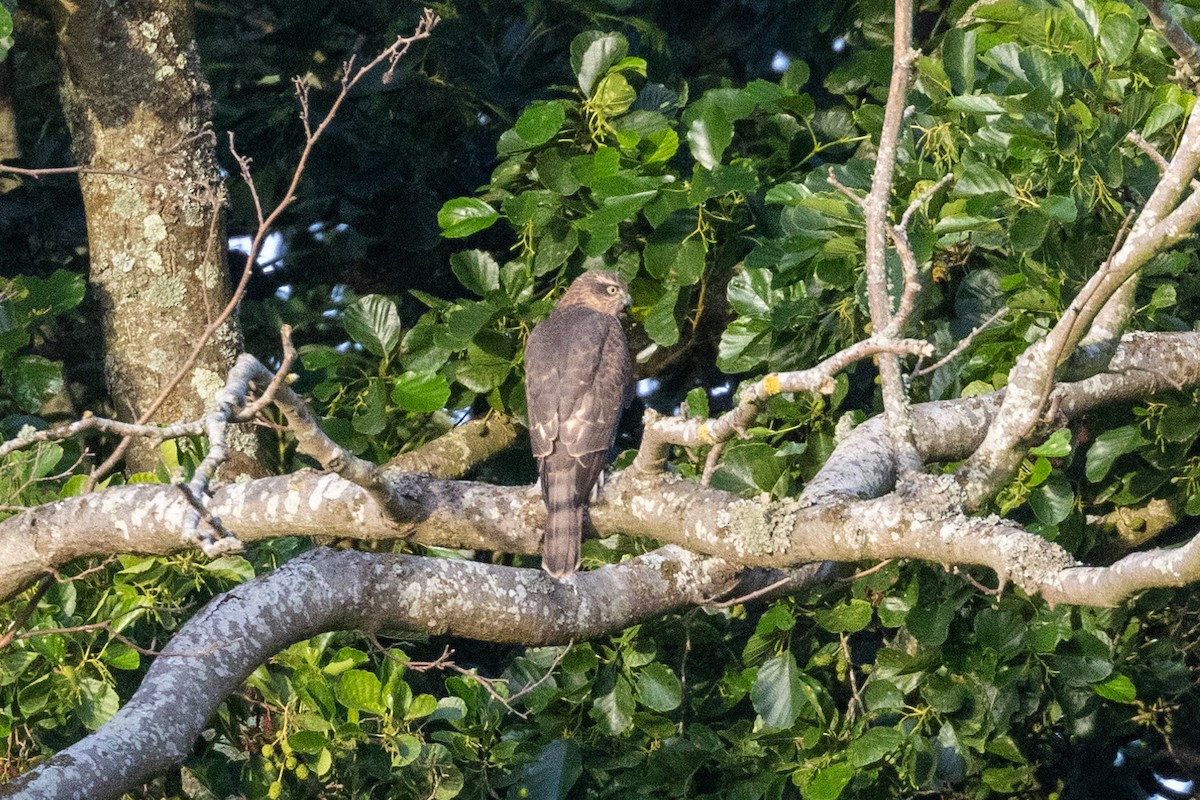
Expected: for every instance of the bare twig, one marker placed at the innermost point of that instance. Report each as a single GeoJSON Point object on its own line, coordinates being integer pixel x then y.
{"type": "Point", "coordinates": [961, 346]}
{"type": "Point", "coordinates": [661, 432]}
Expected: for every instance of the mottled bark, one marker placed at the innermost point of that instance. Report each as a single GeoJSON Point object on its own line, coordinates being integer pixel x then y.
{"type": "Point", "coordinates": [325, 590]}
{"type": "Point", "coordinates": [137, 103]}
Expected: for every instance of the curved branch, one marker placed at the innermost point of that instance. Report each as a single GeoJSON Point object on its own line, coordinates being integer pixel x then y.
{"type": "Point", "coordinates": [325, 590]}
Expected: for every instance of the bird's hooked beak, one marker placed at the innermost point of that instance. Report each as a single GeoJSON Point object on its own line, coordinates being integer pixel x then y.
{"type": "Point", "coordinates": [626, 301]}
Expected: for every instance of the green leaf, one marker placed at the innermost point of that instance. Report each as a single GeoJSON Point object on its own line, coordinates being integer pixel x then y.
{"type": "Point", "coordinates": [750, 467]}
{"type": "Point", "coordinates": [232, 568]}
{"type": "Point", "coordinates": [541, 121]}
{"type": "Point", "coordinates": [422, 706]}
{"type": "Point", "coordinates": [958, 59]}
{"type": "Point", "coordinates": [370, 418]}
{"type": "Point", "coordinates": [828, 782]}
{"type": "Point", "coordinates": [360, 690]}
{"type": "Point", "coordinates": [977, 179]}
{"type": "Point", "coordinates": [373, 322]}
{"type": "Point", "coordinates": [60, 292]}
{"type": "Point", "coordinates": [420, 392]}
{"type": "Point", "coordinates": [33, 380]}
{"type": "Point", "coordinates": [476, 270]}
{"type": "Point", "coordinates": [489, 361]}
{"type": "Point", "coordinates": [118, 656]}
{"type": "Point", "coordinates": [463, 216]}
{"type": "Point", "coordinates": [1057, 446]}
{"type": "Point", "coordinates": [697, 403]}
{"type": "Point", "coordinates": [6, 23]}
{"type": "Point", "coordinates": [745, 344]}
{"type": "Point", "coordinates": [593, 54]}
{"type": "Point", "coordinates": [1118, 36]}
{"type": "Point", "coordinates": [845, 618]}
{"type": "Point", "coordinates": [1053, 501]}
{"type": "Point", "coordinates": [615, 708]}
{"type": "Point", "coordinates": [977, 104]}
{"type": "Point", "coordinates": [709, 134]}
{"type": "Point", "coordinates": [660, 324]}
{"type": "Point", "coordinates": [309, 742]}
{"type": "Point", "coordinates": [778, 696]}
{"type": "Point", "coordinates": [613, 96]}
{"type": "Point", "coordinates": [1108, 447]}
{"type": "Point", "coordinates": [750, 292]}
{"type": "Point", "coordinates": [97, 703]}
{"type": "Point", "coordinates": [658, 688]}
{"type": "Point", "coordinates": [1162, 116]}
{"type": "Point", "coordinates": [1059, 208]}
{"type": "Point", "coordinates": [874, 745]}
{"type": "Point", "coordinates": [552, 773]}
{"type": "Point", "coordinates": [1117, 688]}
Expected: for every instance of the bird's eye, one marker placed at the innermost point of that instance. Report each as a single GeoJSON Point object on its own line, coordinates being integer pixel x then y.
{"type": "Point", "coordinates": [612, 289]}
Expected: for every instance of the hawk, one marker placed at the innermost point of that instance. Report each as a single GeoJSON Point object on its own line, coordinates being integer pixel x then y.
{"type": "Point", "coordinates": [578, 379]}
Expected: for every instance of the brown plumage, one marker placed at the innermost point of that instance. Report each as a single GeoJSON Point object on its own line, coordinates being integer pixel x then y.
{"type": "Point", "coordinates": [578, 378]}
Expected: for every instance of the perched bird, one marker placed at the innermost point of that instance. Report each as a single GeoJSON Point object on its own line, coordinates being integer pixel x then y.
{"type": "Point", "coordinates": [578, 379]}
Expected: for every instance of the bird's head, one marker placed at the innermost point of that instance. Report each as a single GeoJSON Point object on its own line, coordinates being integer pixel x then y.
{"type": "Point", "coordinates": [599, 289]}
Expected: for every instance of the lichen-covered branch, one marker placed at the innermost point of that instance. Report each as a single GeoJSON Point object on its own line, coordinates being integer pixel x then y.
{"type": "Point", "coordinates": [216, 650]}
{"type": "Point", "coordinates": [1163, 222]}
{"type": "Point", "coordinates": [662, 432]}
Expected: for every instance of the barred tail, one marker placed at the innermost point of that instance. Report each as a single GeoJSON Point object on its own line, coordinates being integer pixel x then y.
{"type": "Point", "coordinates": [560, 548]}
{"type": "Point", "coordinates": [565, 504]}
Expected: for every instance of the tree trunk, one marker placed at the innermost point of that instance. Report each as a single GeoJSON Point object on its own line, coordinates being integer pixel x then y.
{"type": "Point", "coordinates": [137, 102]}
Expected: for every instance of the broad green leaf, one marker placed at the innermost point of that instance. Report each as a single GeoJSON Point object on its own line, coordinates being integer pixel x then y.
{"type": "Point", "coordinates": [309, 742]}
{"type": "Point", "coordinates": [778, 695]}
{"type": "Point", "coordinates": [1053, 501]}
{"type": "Point", "coordinates": [748, 468]}
{"type": "Point", "coordinates": [6, 23]}
{"type": "Point", "coordinates": [977, 104]}
{"type": "Point", "coordinates": [370, 417]}
{"type": "Point", "coordinates": [489, 361]}
{"type": "Point", "coordinates": [463, 216]}
{"type": "Point", "coordinates": [33, 380]}
{"type": "Point", "coordinates": [958, 59]}
{"type": "Point", "coordinates": [98, 701]}
{"type": "Point", "coordinates": [476, 270]}
{"type": "Point", "coordinates": [658, 688]}
{"type": "Point", "coordinates": [552, 773]}
{"type": "Point", "coordinates": [613, 96]}
{"type": "Point", "coordinates": [1162, 116]}
{"type": "Point", "coordinates": [708, 136]}
{"type": "Point", "coordinates": [873, 745]}
{"type": "Point", "coordinates": [373, 322]}
{"type": "Point", "coordinates": [60, 292]}
{"type": "Point", "coordinates": [593, 54]}
{"type": "Point", "coordinates": [1057, 446]}
{"type": "Point", "coordinates": [614, 709]}
{"type": "Point", "coordinates": [1108, 447]}
{"type": "Point", "coordinates": [845, 617]}
{"type": "Point", "coordinates": [660, 324]}
{"type": "Point", "coordinates": [827, 783]}
{"type": "Point", "coordinates": [745, 344]}
{"type": "Point", "coordinates": [541, 121]}
{"type": "Point", "coordinates": [231, 568]}
{"type": "Point", "coordinates": [750, 292]}
{"type": "Point", "coordinates": [555, 246]}
{"type": "Point", "coordinates": [977, 179]}
{"type": "Point", "coordinates": [360, 690]}
{"type": "Point", "coordinates": [1118, 36]}
{"type": "Point", "coordinates": [420, 392]}
{"type": "Point", "coordinates": [1117, 688]}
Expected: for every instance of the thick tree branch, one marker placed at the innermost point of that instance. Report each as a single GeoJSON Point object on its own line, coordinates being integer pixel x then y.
{"type": "Point", "coordinates": [216, 650]}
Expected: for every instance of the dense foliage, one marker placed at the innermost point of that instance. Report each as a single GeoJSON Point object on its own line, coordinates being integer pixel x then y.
{"type": "Point", "coordinates": [636, 137]}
